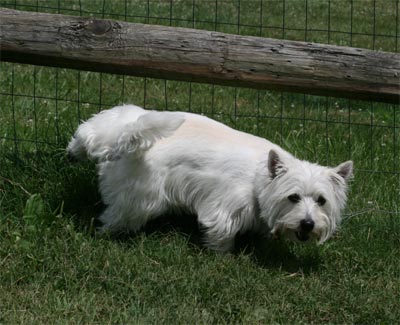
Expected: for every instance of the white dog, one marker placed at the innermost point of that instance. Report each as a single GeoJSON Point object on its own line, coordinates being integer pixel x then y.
{"type": "Point", "coordinates": [150, 162]}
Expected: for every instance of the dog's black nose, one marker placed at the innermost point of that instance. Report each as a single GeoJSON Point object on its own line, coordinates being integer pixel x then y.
{"type": "Point", "coordinates": [306, 225]}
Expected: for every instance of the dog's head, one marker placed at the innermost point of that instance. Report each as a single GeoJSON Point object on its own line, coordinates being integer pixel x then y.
{"type": "Point", "coordinates": [303, 201]}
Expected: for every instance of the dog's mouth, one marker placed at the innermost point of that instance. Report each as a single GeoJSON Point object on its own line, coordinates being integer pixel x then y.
{"type": "Point", "coordinates": [302, 236]}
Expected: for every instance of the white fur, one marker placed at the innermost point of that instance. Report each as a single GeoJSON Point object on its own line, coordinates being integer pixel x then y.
{"type": "Point", "coordinates": [150, 162]}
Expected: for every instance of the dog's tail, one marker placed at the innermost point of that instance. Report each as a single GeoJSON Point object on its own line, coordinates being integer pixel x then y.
{"type": "Point", "coordinates": [139, 136]}
{"type": "Point", "coordinates": [111, 134]}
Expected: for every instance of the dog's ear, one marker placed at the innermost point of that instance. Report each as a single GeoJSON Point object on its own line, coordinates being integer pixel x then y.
{"type": "Point", "coordinates": [274, 163]}
{"type": "Point", "coordinates": [345, 170]}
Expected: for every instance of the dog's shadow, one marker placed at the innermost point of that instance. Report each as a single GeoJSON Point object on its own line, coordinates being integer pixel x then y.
{"type": "Point", "coordinates": [279, 254]}
{"type": "Point", "coordinates": [81, 197]}
{"type": "Point", "coordinates": [82, 200]}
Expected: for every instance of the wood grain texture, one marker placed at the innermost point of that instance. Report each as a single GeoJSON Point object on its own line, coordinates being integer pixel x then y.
{"type": "Point", "coordinates": [200, 56]}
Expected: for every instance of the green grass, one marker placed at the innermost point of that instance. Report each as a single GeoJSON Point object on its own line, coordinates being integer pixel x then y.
{"type": "Point", "coordinates": [53, 271]}
{"type": "Point", "coordinates": [54, 268]}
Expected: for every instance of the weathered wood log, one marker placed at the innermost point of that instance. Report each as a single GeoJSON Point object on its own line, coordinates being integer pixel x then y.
{"type": "Point", "coordinates": [196, 55]}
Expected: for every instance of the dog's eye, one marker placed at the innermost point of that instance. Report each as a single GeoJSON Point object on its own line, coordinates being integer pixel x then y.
{"type": "Point", "coordinates": [294, 198]}
{"type": "Point", "coordinates": [321, 200]}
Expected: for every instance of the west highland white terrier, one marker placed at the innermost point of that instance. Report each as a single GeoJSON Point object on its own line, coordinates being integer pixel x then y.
{"type": "Point", "coordinates": [152, 162]}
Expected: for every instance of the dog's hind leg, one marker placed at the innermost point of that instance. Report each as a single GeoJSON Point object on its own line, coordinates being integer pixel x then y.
{"type": "Point", "coordinates": [116, 221]}
{"type": "Point", "coordinates": [129, 209]}
{"type": "Point", "coordinates": [76, 150]}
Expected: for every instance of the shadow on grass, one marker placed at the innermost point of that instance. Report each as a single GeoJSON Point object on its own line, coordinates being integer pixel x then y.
{"type": "Point", "coordinates": [81, 197]}
{"type": "Point", "coordinates": [280, 254]}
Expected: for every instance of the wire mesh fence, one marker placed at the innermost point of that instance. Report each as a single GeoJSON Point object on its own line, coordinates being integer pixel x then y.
{"type": "Point", "coordinates": [41, 106]}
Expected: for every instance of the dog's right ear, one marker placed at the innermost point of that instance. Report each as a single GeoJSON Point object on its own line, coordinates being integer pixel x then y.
{"type": "Point", "coordinates": [274, 163]}
{"type": "Point", "coordinates": [345, 170]}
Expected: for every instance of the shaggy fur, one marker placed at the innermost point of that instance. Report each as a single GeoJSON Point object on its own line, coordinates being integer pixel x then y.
{"type": "Point", "coordinates": [150, 162]}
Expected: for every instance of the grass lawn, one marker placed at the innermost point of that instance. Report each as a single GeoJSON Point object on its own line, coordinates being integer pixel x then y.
{"type": "Point", "coordinates": [53, 266]}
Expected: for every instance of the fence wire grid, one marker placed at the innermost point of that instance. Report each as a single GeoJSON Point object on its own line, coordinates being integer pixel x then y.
{"type": "Point", "coordinates": [41, 106]}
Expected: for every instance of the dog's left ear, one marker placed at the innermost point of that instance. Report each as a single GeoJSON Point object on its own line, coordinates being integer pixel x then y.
{"type": "Point", "coordinates": [274, 163]}
{"type": "Point", "coordinates": [345, 170]}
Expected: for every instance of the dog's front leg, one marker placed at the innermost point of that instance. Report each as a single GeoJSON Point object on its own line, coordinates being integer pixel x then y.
{"type": "Point", "coordinates": [220, 231]}
{"type": "Point", "coordinates": [222, 245]}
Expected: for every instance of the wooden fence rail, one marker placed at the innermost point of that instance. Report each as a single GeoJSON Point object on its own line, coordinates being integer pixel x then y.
{"type": "Point", "coordinates": [196, 55]}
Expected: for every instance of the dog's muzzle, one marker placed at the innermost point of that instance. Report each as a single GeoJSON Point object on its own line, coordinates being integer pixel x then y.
{"type": "Point", "coordinates": [306, 226]}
